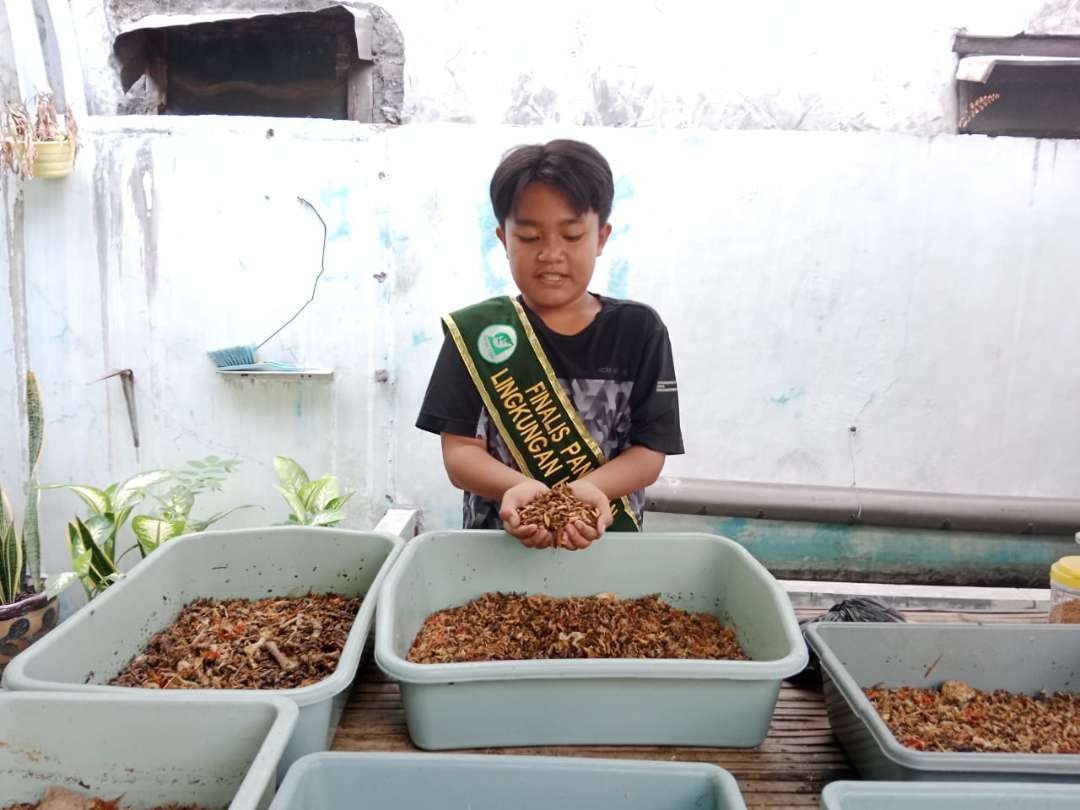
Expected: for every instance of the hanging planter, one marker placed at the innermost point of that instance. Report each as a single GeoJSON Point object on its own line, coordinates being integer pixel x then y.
{"type": "Point", "coordinates": [38, 145]}
{"type": "Point", "coordinates": [54, 159]}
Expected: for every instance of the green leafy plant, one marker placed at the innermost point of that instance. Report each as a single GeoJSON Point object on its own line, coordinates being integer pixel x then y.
{"type": "Point", "coordinates": [172, 518]}
{"type": "Point", "coordinates": [312, 503]}
{"type": "Point", "coordinates": [92, 542]}
{"type": "Point", "coordinates": [20, 555]}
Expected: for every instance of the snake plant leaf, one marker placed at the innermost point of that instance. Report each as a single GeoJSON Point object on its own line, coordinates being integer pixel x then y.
{"type": "Point", "coordinates": [11, 558]}
{"type": "Point", "coordinates": [31, 536]}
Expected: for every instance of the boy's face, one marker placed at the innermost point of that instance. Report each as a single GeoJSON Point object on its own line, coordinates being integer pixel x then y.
{"type": "Point", "coordinates": [552, 249]}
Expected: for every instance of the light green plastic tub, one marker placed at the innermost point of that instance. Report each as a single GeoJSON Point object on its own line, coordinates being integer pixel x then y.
{"type": "Point", "coordinates": [347, 781]}
{"type": "Point", "coordinates": [95, 643]}
{"type": "Point", "coordinates": [1024, 658]}
{"type": "Point", "coordinates": [948, 796]}
{"type": "Point", "coordinates": [583, 701]}
{"type": "Point", "coordinates": [212, 750]}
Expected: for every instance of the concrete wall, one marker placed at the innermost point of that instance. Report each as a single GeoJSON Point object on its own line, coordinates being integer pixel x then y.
{"type": "Point", "coordinates": [921, 290]}
{"type": "Point", "coordinates": [918, 287]}
{"type": "Point", "coordinates": [785, 64]}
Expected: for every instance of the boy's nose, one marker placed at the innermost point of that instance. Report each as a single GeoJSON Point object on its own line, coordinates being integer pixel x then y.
{"type": "Point", "coordinates": [550, 252]}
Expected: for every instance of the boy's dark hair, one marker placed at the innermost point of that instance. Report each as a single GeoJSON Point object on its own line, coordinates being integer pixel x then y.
{"type": "Point", "coordinates": [574, 168]}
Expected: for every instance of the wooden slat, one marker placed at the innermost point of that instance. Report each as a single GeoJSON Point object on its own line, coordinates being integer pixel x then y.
{"type": "Point", "coordinates": [789, 770]}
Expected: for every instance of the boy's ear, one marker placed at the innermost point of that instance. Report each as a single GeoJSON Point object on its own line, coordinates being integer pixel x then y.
{"type": "Point", "coordinates": [499, 232]}
{"type": "Point", "coordinates": [605, 232]}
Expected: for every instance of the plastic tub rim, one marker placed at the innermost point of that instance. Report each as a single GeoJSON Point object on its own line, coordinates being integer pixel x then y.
{"type": "Point", "coordinates": [836, 792]}
{"type": "Point", "coordinates": [905, 757]}
{"type": "Point", "coordinates": [595, 668]}
{"type": "Point", "coordinates": [270, 751]}
{"type": "Point", "coordinates": [16, 679]}
{"type": "Point", "coordinates": [313, 762]}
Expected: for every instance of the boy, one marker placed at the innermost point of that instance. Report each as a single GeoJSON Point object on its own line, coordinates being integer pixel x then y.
{"type": "Point", "coordinates": [558, 385]}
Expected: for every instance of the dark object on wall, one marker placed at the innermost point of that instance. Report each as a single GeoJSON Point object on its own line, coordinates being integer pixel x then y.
{"type": "Point", "coordinates": [304, 64]}
{"type": "Point", "coordinates": [1022, 86]}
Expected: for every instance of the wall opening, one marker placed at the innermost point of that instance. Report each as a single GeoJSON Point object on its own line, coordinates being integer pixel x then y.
{"type": "Point", "coordinates": [1021, 86]}
{"type": "Point", "coordinates": [317, 64]}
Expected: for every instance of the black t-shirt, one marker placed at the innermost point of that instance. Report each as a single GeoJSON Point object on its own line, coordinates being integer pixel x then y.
{"type": "Point", "coordinates": [618, 372]}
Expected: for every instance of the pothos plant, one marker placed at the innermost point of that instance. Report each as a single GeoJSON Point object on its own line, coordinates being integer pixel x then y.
{"type": "Point", "coordinates": [93, 541]}
{"type": "Point", "coordinates": [311, 503]}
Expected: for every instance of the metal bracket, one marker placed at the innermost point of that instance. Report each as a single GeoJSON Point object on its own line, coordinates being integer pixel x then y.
{"type": "Point", "coordinates": [127, 378]}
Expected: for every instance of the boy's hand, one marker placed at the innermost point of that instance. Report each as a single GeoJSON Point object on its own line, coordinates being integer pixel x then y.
{"type": "Point", "coordinates": [529, 535]}
{"type": "Point", "coordinates": [580, 534]}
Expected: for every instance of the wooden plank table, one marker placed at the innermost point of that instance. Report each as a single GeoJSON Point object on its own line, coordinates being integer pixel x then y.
{"type": "Point", "coordinates": [798, 758]}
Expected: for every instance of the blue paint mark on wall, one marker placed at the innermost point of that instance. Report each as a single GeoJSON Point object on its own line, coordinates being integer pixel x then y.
{"type": "Point", "coordinates": [336, 201]}
{"type": "Point", "coordinates": [786, 397]}
{"type": "Point", "coordinates": [624, 189]}
{"type": "Point", "coordinates": [420, 336]}
{"type": "Point", "coordinates": [495, 282]}
{"type": "Point", "coordinates": [619, 282]}
{"type": "Point", "coordinates": [384, 237]}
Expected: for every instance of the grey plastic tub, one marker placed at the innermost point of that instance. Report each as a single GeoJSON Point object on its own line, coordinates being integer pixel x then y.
{"type": "Point", "coordinates": [346, 781]}
{"type": "Point", "coordinates": [211, 750]}
{"type": "Point", "coordinates": [583, 701]}
{"type": "Point", "coordinates": [948, 796]}
{"type": "Point", "coordinates": [1020, 657]}
{"type": "Point", "coordinates": [96, 642]}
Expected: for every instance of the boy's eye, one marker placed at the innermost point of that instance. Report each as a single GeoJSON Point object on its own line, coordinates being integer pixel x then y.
{"type": "Point", "coordinates": [524, 237]}
{"type": "Point", "coordinates": [573, 237]}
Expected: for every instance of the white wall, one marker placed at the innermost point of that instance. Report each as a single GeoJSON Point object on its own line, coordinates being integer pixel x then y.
{"type": "Point", "coordinates": [922, 290]}
{"type": "Point", "coordinates": [919, 287]}
{"type": "Point", "coordinates": [784, 64]}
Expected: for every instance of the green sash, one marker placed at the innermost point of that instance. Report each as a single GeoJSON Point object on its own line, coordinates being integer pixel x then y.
{"type": "Point", "coordinates": [531, 411]}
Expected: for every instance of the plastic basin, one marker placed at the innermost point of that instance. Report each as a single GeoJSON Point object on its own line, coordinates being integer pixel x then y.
{"type": "Point", "coordinates": [346, 781]}
{"type": "Point", "coordinates": [212, 750]}
{"type": "Point", "coordinates": [948, 796]}
{"type": "Point", "coordinates": [97, 641]}
{"type": "Point", "coordinates": [1019, 657]}
{"type": "Point", "coordinates": [583, 701]}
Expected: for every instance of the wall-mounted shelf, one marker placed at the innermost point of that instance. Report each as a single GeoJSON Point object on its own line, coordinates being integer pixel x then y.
{"type": "Point", "coordinates": [303, 373]}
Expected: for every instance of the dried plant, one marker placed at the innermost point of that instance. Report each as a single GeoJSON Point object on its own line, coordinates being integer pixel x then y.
{"type": "Point", "coordinates": [518, 627]}
{"type": "Point", "coordinates": [20, 133]}
{"type": "Point", "coordinates": [556, 509]}
{"type": "Point", "coordinates": [956, 717]}
{"type": "Point", "coordinates": [977, 106]}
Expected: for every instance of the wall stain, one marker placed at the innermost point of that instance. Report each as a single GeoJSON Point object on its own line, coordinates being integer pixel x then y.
{"type": "Point", "coordinates": [141, 183]}
{"type": "Point", "coordinates": [489, 243]}
{"type": "Point", "coordinates": [619, 280]}
{"type": "Point", "coordinates": [788, 396]}
{"type": "Point", "coordinates": [337, 200]}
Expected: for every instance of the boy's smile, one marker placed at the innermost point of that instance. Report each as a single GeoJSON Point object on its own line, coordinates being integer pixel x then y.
{"type": "Point", "coordinates": [552, 251]}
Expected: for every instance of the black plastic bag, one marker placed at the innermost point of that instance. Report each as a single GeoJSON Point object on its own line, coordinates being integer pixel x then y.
{"type": "Point", "coordinates": [856, 609]}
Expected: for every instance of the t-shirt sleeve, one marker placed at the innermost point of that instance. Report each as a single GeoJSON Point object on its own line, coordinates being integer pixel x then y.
{"type": "Point", "coordinates": [654, 400]}
{"type": "Point", "coordinates": [452, 404]}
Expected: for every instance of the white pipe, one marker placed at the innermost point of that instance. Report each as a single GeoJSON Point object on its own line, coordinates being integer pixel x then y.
{"type": "Point", "coordinates": [879, 507]}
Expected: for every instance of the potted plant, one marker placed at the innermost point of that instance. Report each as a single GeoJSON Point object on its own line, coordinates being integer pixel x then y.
{"type": "Point", "coordinates": [39, 144]}
{"type": "Point", "coordinates": [27, 604]}
{"type": "Point", "coordinates": [316, 502]}
{"type": "Point", "coordinates": [93, 539]}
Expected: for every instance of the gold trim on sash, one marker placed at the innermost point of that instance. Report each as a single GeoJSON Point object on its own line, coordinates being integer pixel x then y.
{"type": "Point", "coordinates": [491, 409]}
